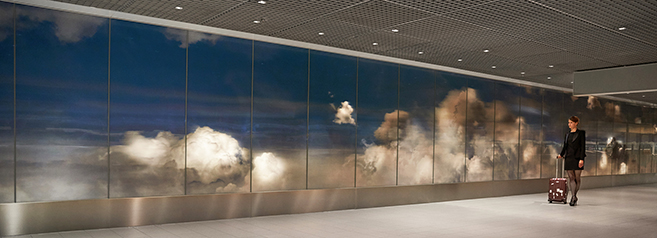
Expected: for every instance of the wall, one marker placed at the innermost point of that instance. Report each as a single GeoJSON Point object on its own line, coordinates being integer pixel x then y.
{"type": "Point", "coordinates": [103, 109]}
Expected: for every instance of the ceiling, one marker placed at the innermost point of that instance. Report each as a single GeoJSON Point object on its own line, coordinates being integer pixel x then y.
{"type": "Point", "coordinates": [541, 41]}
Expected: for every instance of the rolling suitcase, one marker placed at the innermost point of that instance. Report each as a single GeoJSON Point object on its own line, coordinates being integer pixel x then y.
{"type": "Point", "coordinates": [558, 190]}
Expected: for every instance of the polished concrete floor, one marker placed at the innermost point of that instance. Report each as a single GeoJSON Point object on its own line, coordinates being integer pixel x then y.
{"type": "Point", "coordinates": [629, 211]}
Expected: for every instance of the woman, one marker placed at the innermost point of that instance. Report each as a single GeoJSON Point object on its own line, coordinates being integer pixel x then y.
{"type": "Point", "coordinates": [574, 151]}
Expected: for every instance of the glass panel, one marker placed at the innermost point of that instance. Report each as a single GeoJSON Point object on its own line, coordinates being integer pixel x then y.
{"type": "Point", "coordinates": [632, 148]}
{"type": "Point", "coordinates": [480, 128]}
{"type": "Point", "coordinates": [647, 133]}
{"type": "Point", "coordinates": [6, 102]}
{"type": "Point", "coordinates": [531, 135]}
{"type": "Point", "coordinates": [377, 123]}
{"type": "Point", "coordinates": [147, 110]}
{"type": "Point", "coordinates": [553, 128]}
{"type": "Point", "coordinates": [332, 125]}
{"type": "Point", "coordinates": [280, 96]}
{"type": "Point", "coordinates": [61, 102]}
{"type": "Point", "coordinates": [591, 160]}
{"type": "Point", "coordinates": [218, 114]}
{"type": "Point", "coordinates": [507, 131]}
{"type": "Point", "coordinates": [618, 143]}
{"type": "Point", "coordinates": [606, 147]}
{"type": "Point", "coordinates": [451, 94]}
{"type": "Point", "coordinates": [416, 123]}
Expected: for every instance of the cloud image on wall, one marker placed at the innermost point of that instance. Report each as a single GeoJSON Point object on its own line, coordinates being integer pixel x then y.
{"type": "Point", "coordinates": [69, 28]}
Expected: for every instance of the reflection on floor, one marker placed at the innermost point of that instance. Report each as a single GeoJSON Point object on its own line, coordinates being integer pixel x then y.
{"type": "Point", "coordinates": [608, 212]}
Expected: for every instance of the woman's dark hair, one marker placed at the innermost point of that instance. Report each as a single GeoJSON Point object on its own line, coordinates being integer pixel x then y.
{"type": "Point", "coordinates": [574, 119]}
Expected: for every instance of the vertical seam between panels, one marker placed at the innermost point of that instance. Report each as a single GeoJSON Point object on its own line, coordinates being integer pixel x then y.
{"type": "Point", "coordinates": [398, 136]}
{"type": "Point", "coordinates": [186, 95]}
{"type": "Point", "coordinates": [307, 118]}
{"type": "Point", "coordinates": [109, 57]}
{"type": "Point", "coordinates": [494, 128]}
{"type": "Point", "coordinates": [519, 137]}
{"type": "Point", "coordinates": [542, 132]}
{"type": "Point", "coordinates": [433, 144]}
{"type": "Point", "coordinates": [251, 127]}
{"type": "Point", "coordinates": [465, 134]}
{"type": "Point", "coordinates": [356, 128]}
{"type": "Point", "coordinates": [15, 160]}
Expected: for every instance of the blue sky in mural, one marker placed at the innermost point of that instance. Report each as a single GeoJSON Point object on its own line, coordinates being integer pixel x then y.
{"type": "Point", "coordinates": [416, 123]}
{"type": "Point", "coordinates": [507, 129]}
{"type": "Point", "coordinates": [147, 110]}
{"type": "Point", "coordinates": [6, 102]}
{"type": "Point", "coordinates": [61, 100]}
{"type": "Point", "coordinates": [377, 123]}
{"type": "Point", "coordinates": [332, 120]}
{"type": "Point", "coordinates": [280, 95]}
{"type": "Point", "coordinates": [218, 114]}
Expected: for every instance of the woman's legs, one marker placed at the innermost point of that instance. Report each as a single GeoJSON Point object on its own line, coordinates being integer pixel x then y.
{"type": "Point", "coordinates": [574, 181]}
{"type": "Point", "coordinates": [572, 184]}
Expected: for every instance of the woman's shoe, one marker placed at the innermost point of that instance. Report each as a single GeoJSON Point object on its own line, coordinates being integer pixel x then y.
{"type": "Point", "coordinates": [574, 201]}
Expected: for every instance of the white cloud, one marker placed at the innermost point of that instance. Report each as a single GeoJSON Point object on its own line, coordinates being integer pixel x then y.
{"type": "Point", "coordinates": [181, 36]}
{"type": "Point", "coordinates": [69, 27]}
{"type": "Point", "coordinates": [343, 115]}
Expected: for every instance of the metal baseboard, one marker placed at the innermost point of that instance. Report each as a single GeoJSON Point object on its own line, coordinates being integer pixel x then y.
{"type": "Point", "coordinates": [40, 217]}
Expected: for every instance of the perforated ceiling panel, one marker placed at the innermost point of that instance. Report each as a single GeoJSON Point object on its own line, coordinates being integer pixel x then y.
{"type": "Point", "coordinates": [524, 37]}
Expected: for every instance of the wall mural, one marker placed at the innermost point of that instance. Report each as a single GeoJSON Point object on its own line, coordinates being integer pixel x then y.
{"type": "Point", "coordinates": [166, 111]}
{"type": "Point", "coordinates": [6, 102]}
{"type": "Point", "coordinates": [61, 105]}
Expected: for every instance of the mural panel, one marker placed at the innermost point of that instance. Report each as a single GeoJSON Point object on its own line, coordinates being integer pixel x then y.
{"type": "Point", "coordinates": [61, 102]}
{"type": "Point", "coordinates": [416, 125]}
{"type": "Point", "coordinates": [647, 134]}
{"type": "Point", "coordinates": [607, 147]}
{"type": "Point", "coordinates": [619, 146]}
{"type": "Point", "coordinates": [507, 131]}
{"type": "Point", "coordinates": [6, 102]}
{"type": "Point", "coordinates": [377, 123]}
{"type": "Point", "coordinates": [480, 130]}
{"type": "Point", "coordinates": [280, 112]}
{"type": "Point", "coordinates": [531, 135]}
{"type": "Point", "coordinates": [332, 120]}
{"type": "Point", "coordinates": [147, 110]}
{"type": "Point", "coordinates": [449, 137]}
{"type": "Point", "coordinates": [632, 148]}
{"type": "Point", "coordinates": [218, 114]}
{"type": "Point", "coordinates": [554, 127]}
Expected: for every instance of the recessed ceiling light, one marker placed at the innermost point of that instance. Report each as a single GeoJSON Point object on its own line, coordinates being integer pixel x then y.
{"type": "Point", "coordinates": [459, 60]}
{"type": "Point", "coordinates": [395, 30]}
{"type": "Point", "coordinates": [375, 43]}
{"type": "Point", "coordinates": [256, 21]}
{"type": "Point", "coordinates": [179, 8]}
{"type": "Point", "coordinates": [572, 82]}
{"type": "Point", "coordinates": [622, 28]}
{"type": "Point", "coordinates": [486, 50]}
{"type": "Point", "coordinates": [321, 33]}
{"type": "Point", "coordinates": [643, 96]}
{"type": "Point", "coordinates": [549, 77]}
{"type": "Point", "coordinates": [551, 66]}
{"type": "Point", "coordinates": [420, 52]}
{"type": "Point", "coordinates": [493, 66]}
{"type": "Point", "coordinates": [523, 73]}
{"type": "Point", "coordinates": [262, 2]}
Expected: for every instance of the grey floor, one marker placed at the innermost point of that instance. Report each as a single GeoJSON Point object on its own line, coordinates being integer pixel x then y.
{"type": "Point", "coordinates": [629, 211]}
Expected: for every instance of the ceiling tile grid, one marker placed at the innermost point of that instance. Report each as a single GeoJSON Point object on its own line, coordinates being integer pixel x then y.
{"type": "Point", "coordinates": [436, 28]}
{"type": "Point", "coordinates": [442, 7]}
{"type": "Point", "coordinates": [638, 17]}
{"type": "Point", "coordinates": [325, 32]}
{"type": "Point", "coordinates": [379, 14]}
{"type": "Point", "coordinates": [275, 16]}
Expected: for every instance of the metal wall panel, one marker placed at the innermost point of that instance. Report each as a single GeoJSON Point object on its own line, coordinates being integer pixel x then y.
{"type": "Point", "coordinates": [30, 218]}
